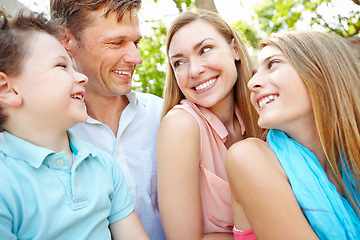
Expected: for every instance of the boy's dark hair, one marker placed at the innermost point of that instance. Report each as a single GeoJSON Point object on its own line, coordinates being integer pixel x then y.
{"type": "Point", "coordinates": [15, 36]}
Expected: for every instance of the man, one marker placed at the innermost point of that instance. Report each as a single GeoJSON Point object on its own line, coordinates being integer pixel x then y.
{"type": "Point", "coordinates": [102, 37]}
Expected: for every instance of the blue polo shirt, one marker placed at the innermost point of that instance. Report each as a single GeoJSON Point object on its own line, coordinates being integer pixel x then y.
{"type": "Point", "coordinates": [41, 197]}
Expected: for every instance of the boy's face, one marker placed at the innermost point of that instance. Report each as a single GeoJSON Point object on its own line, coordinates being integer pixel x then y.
{"type": "Point", "coordinates": [52, 91]}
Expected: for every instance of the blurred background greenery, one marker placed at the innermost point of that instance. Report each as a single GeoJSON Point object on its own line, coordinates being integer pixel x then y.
{"type": "Point", "coordinates": [341, 17]}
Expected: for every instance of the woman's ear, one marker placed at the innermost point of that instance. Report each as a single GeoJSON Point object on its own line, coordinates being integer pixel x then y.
{"type": "Point", "coordinates": [235, 49]}
{"type": "Point", "coordinates": [8, 95]}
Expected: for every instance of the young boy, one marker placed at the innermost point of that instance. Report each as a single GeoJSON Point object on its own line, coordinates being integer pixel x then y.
{"type": "Point", "coordinates": [52, 185]}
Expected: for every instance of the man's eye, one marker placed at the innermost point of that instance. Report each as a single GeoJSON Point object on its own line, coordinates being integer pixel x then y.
{"type": "Point", "coordinates": [118, 43]}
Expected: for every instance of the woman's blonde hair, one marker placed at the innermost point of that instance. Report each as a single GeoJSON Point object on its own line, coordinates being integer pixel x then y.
{"type": "Point", "coordinates": [172, 93]}
{"type": "Point", "coordinates": [331, 72]}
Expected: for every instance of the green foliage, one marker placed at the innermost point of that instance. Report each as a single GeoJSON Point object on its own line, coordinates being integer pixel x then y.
{"type": "Point", "coordinates": [150, 75]}
{"type": "Point", "coordinates": [274, 15]}
{"type": "Point", "coordinates": [282, 14]}
{"type": "Point", "coordinates": [269, 16]}
{"type": "Point", "coordinates": [345, 26]}
{"type": "Point", "coordinates": [188, 3]}
{"type": "Point", "coordinates": [247, 33]}
{"type": "Point", "coordinates": [179, 4]}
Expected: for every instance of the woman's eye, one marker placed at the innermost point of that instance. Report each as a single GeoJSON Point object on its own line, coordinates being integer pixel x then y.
{"type": "Point", "coordinates": [178, 64]}
{"type": "Point", "coordinates": [205, 49]}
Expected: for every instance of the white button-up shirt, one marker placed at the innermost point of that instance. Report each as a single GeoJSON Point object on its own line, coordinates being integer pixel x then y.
{"type": "Point", "coordinates": [134, 148]}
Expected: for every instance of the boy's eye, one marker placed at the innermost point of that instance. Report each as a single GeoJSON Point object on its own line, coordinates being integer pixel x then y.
{"type": "Point", "coordinates": [61, 65]}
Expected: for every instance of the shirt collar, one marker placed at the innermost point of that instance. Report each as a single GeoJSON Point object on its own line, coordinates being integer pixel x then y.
{"type": "Point", "coordinates": [22, 150]}
{"type": "Point", "coordinates": [215, 122]}
{"type": "Point", "coordinates": [81, 147]}
{"type": "Point", "coordinates": [134, 99]}
{"type": "Point", "coordinates": [34, 155]}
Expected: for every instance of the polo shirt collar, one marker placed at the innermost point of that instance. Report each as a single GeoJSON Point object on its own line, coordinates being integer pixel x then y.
{"type": "Point", "coordinates": [79, 146]}
{"type": "Point", "coordinates": [34, 155]}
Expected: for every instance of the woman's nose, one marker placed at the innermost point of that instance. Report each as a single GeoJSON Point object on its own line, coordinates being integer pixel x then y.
{"type": "Point", "coordinates": [196, 68]}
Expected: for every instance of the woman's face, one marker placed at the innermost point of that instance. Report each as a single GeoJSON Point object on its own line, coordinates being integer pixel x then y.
{"type": "Point", "coordinates": [203, 62]}
{"type": "Point", "coordinates": [279, 94]}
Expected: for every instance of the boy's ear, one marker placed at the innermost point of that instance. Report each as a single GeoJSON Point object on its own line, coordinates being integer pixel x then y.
{"type": "Point", "coordinates": [67, 39]}
{"type": "Point", "coordinates": [8, 95]}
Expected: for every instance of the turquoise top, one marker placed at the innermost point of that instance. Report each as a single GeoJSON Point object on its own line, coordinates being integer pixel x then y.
{"type": "Point", "coordinates": [41, 197]}
{"type": "Point", "coordinates": [330, 215]}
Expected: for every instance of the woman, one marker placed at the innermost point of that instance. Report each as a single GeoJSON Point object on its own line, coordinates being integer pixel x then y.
{"type": "Point", "coordinates": [303, 183]}
{"type": "Point", "coordinates": [207, 109]}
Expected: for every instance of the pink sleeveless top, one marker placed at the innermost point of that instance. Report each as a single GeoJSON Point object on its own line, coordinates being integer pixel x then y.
{"type": "Point", "coordinates": [214, 187]}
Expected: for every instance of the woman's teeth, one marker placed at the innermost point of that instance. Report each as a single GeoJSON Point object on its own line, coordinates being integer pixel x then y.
{"type": "Point", "coordinates": [205, 84]}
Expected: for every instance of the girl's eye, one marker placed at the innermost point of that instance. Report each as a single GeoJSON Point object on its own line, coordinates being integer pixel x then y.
{"type": "Point", "coordinates": [205, 49]}
{"type": "Point", "coordinates": [272, 63]}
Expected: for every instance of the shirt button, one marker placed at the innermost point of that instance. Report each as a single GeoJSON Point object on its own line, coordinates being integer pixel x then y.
{"type": "Point", "coordinates": [76, 182]}
{"type": "Point", "coordinates": [117, 154]}
{"type": "Point", "coordinates": [60, 162]}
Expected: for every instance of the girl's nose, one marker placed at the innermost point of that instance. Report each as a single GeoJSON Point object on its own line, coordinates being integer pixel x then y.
{"type": "Point", "coordinates": [255, 82]}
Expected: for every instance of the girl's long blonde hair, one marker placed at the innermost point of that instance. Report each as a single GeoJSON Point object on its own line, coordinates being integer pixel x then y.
{"type": "Point", "coordinates": [172, 93]}
{"type": "Point", "coordinates": [331, 72]}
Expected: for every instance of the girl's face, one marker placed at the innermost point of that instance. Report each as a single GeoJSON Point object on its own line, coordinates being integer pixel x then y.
{"type": "Point", "coordinates": [52, 91]}
{"type": "Point", "coordinates": [278, 93]}
{"type": "Point", "coordinates": [204, 63]}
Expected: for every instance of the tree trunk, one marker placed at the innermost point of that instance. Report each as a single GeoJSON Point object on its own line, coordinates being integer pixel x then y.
{"type": "Point", "coordinates": [206, 4]}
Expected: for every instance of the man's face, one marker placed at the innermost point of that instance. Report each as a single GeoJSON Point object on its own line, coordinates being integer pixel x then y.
{"type": "Point", "coordinates": [108, 53]}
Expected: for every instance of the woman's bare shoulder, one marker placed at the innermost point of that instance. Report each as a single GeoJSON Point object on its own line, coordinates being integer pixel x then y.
{"type": "Point", "coordinates": [179, 119]}
{"type": "Point", "coordinates": [253, 153]}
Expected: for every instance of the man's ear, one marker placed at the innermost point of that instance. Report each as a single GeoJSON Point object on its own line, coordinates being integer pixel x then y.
{"type": "Point", "coordinates": [67, 39]}
{"type": "Point", "coordinates": [8, 95]}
